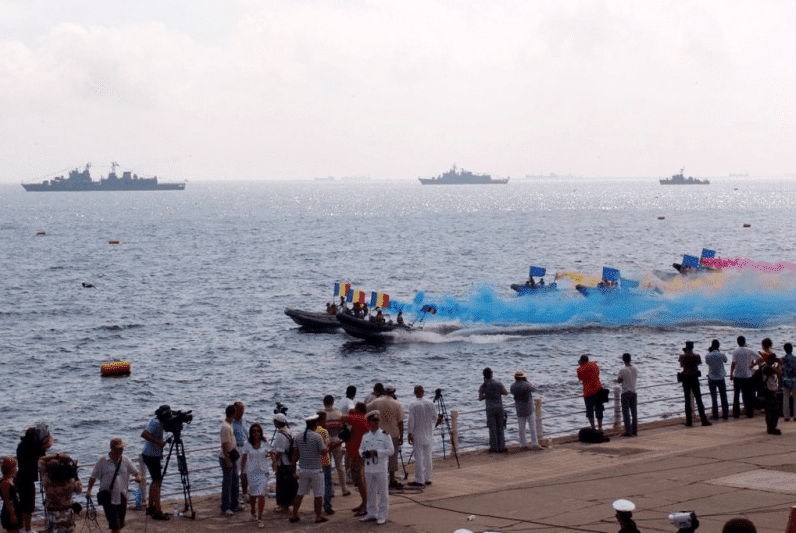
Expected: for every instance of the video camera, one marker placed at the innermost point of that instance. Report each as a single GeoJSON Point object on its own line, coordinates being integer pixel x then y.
{"type": "Point", "coordinates": [280, 408]}
{"type": "Point", "coordinates": [437, 395]}
{"type": "Point", "coordinates": [175, 422]}
{"type": "Point", "coordinates": [685, 521]}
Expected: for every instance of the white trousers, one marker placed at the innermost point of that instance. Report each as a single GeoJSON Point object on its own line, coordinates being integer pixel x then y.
{"type": "Point", "coordinates": [531, 421]}
{"type": "Point", "coordinates": [423, 465]}
{"type": "Point", "coordinates": [378, 494]}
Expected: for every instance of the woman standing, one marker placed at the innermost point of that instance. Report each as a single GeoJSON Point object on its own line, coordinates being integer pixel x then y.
{"type": "Point", "coordinates": [11, 515]}
{"type": "Point", "coordinates": [255, 465]}
{"type": "Point", "coordinates": [32, 446]}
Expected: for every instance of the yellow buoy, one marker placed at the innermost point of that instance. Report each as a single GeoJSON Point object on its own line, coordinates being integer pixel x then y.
{"type": "Point", "coordinates": [116, 368]}
{"type": "Point", "coordinates": [113, 241]}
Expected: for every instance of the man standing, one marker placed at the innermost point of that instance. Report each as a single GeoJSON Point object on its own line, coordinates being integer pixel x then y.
{"type": "Point", "coordinates": [241, 436]}
{"type": "Point", "coordinates": [378, 392]}
{"type": "Point", "coordinates": [589, 374]}
{"type": "Point", "coordinates": [743, 359]}
{"type": "Point", "coordinates": [349, 403]}
{"type": "Point", "coordinates": [523, 403]}
{"type": "Point", "coordinates": [689, 361]}
{"type": "Point", "coordinates": [334, 425]}
{"type": "Point", "coordinates": [113, 472]}
{"type": "Point", "coordinates": [628, 377]}
{"type": "Point", "coordinates": [310, 448]}
{"type": "Point", "coordinates": [228, 459]}
{"type": "Point", "coordinates": [492, 391]}
{"type": "Point", "coordinates": [392, 423]}
{"type": "Point", "coordinates": [422, 420]}
{"type": "Point", "coordinates": [359, 426]}
{"type": "Point", "coordinates": [152, 456]}
{"type": "Point", "coordinates": [376, 446]}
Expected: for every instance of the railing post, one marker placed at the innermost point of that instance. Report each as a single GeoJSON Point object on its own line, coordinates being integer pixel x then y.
{"type": "Point", "coordinates": [142, 468]}
{"type": "Point", "coordinates": [537, 415]}
{"type": "Point", "coordinates": [455, 429]}
{"type": "Point", "coordinates": [617, 408]}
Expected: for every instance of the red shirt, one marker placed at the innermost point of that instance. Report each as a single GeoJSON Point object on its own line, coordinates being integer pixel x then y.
{"type": "Point", "coordinates": [359, 426]}
{"type": "Point", "coordinates": [589, 374]}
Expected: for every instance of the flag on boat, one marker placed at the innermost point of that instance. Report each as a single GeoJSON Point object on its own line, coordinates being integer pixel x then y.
{"type": "Point", "coordinates": [357, 297]}
{"type": "Point", "coordinates": [341, 289]}
{"type": "Point", "coordinates": [379, 299]}
{"type": "Point", "coordinates": [537, 271]}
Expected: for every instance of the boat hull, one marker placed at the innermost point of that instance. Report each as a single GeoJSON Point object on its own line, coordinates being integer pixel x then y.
{"type": "Point", "coordinates": [313, 321]}
{"type": "Point", "coordinates": [371, 331]}
{"type": "Point", "coordinates": [522, 289]}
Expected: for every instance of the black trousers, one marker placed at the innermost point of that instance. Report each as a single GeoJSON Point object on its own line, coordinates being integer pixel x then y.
{"type": "Point", "coordinates": [691, 384]}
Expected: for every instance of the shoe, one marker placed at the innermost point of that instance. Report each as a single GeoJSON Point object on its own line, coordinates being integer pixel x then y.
{"type": "Point", "coordinates": [330, 511]}
{"type": "Point", "coordinates": [774, 432]}
{"type": "Point", "coordinates": [381, 521]}
{"type": "Point", "coordinates": [357, 509]}
{"type": "Point", "coordinates": [787, 419]}
{"type": "Point", "coordinates": [707, 423]}
{"type": "Point", "coordinates": [228, 512]}
{"type": "Point", "coordinates": [396, 485]}
{"type": "Point", "coordinates": [160, 516]}
{"type": "Point", "coordinates": [321, 520]}
{"type": "Point", "coordinates": [428, 483]}
{"type": "Point", "coordinates": [294, 519]}
{"type": "Point", "coordinates": [688, 424]}
{"type": "Point", "coordinates": [535, 448]}
{"type": "Point", "coordinates": [360, 513]}
{"type": "Point", "coordinates": [367, 518]}
{"type": "Point", "coordinates": [150, 511]}
{"type": "Point", "coordinates": [415, 484]}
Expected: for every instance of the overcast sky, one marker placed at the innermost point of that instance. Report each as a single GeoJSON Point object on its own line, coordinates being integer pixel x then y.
{"type": "Point", "coordinates": [261, 90]}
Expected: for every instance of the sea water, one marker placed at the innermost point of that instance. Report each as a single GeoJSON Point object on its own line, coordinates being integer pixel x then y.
{"type": "Point", "coordinates": [194, 293]}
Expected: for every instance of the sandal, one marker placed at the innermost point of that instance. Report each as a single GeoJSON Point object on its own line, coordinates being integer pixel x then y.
{"type": "Point", "coordinates": [321, 519]}
{"type": "Point", "coordinates": [294, 519]}
{"type": "Point", "coordinates": [361, 513]}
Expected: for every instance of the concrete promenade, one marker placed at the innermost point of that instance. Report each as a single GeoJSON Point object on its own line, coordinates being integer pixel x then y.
{"type": "Point", "coordinates": [730, 469]}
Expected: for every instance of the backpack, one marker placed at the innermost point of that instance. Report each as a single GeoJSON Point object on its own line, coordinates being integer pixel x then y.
{"type": "Point", "coordinates": [592, 436]}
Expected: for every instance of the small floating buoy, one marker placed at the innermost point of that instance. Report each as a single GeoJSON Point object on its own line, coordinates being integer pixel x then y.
{"type": "Point", "coordinates": [661, 217]}
{"type": "Point", "coordinates": [747, 225]}
{"type": "Point", "coordinates": [116, 368]}
{"type": "Point", "coordinates": [40, 232]}
{"type": "Point", "coordinates": [113, 241]}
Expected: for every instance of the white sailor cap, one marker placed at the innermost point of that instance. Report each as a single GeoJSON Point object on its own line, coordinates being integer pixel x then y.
{"type": "Point", "coordinates": [373, 413]}
{"type": "Point", "coordinates": [624, 506]}
{"type": "Point", "coordinates": [312, 418]}
{"type": "Point", "coordinates": [279, 417]}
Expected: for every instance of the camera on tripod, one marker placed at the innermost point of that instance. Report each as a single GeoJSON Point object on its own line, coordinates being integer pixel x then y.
{"type": "Point", "coordinates": [174, 422]}
{"type": "Point", "coordinates": [437, 395]}
{"type": "Point", "coordinates": [280, 409]}
{"type": "Point", "coordinates": [685, 521]}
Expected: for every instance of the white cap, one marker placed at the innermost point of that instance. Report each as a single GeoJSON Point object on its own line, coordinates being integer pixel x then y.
{"type": "Point", "coordinates": [311, 418]}
{"type": "Point", "coordinates": [375, 412]}
{"type": "Point", "coordinates": [279, 417]}
{"type": "Point", "coordinates": [624, 506]}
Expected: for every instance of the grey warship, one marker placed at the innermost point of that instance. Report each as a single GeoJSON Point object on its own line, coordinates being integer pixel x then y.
{"type": "Point", "coordinates": [80, 181]}
{"type": "Point", "coordinates": [679, 179]}
{"type": "Point", "coordinates": [462, 177]}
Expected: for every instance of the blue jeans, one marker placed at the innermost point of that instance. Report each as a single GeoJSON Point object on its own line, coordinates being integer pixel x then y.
{"type": "Point", "coordinates": [718, 387]}
{"type": "Point", "coordinates": [328, 488]}
{"type": "Point", "coordinates": [230, 486]}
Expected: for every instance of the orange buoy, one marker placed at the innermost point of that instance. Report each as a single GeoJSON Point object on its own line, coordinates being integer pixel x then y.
{"type": "Point", "coordinates": [116, 368]}
{"type": "Point", "coordinates": [113, 241]}
{"type": "Point", "coordinates": [661, 217]}
{"type": "Point", "coordinates": [40, 232]}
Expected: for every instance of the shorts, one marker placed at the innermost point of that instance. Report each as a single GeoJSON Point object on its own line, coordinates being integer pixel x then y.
{"type": "Point", "coordinates": [357, 466]}
{"type": "Point", "coordinates": [153, 465]}
{"type": "Point", "coordinates": [116, 513]}
{"type": "Point", "coordinates": [310, 479]}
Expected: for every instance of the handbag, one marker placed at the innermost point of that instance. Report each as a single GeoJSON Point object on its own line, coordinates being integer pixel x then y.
{"type": "Point", "coordinates": [104, 496]}
{"type": "Point", "coordinates": [234, 455]}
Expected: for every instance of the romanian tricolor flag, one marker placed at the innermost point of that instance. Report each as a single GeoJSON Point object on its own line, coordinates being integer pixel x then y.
{"type": "Point", "coordinates": [379, 299]}
{"type": "Point", "coordinates": [357, 297]}
{"type": "Point", "coordinates": [341, 289]}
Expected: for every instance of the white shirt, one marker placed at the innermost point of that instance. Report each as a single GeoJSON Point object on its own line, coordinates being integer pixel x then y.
{"type": "Point", "coordinates": [629, 376]}
{"type": "Point", "coordinates": [381, 443]}
{"type": "Point", "coordinates": [103, 472]}
{"type": "Point", "coordinates": [422, 417]}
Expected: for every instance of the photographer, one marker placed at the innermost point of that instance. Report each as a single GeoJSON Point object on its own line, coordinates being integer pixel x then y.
{"type": "Point", "coordinates": [376, 449]}
{"type": "Point", "coordinates": [59, 481]}
{"type": "Point", "coordinates": [113, 472]}
{"type": "Point", "coordinates": [153, 456]}
{"type": "Point", "coordinates": [286, 485]}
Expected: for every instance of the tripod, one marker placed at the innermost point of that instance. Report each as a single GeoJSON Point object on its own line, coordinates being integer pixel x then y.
{"type": "Point", "coordinates": [442, 412]}
{"type": "Point", "coordinates": [182, 466]}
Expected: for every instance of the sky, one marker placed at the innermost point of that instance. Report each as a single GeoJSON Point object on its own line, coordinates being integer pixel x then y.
{"type": "Point", "coordinates": [214, 90]}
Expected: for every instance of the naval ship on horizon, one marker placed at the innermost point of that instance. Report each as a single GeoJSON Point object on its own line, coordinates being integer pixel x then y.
{"type": "Point", "coordinates": [462, 177]}
{"type": "Point", "coordinates": [80, 181]}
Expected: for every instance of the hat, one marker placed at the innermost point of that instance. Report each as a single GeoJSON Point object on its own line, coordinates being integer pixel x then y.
{"type": "Point", "coordinates": [373, 414]}
{"type": "Point", "coordinates": [312, 418]}
{"type": "Point", "coordinates": [689, 345]}
{"type": "Point", "coordinates": [279, 417]}
{"type": "Point", "coordinates": [117, 443]}
{"type": "Point", "coordinates": [519, 374]}
{"type": "Point", "coordinates": [389, 389]}
{"type": "Point", "coordinates": [624, 506]}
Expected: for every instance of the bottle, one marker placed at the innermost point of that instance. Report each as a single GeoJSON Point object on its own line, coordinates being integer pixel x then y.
{"type": "Point", "coordinates": [176, 510]}
{"type": "Point", "coordinates": [138, 503]}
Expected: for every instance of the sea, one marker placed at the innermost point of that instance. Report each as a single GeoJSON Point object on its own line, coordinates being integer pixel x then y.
{"type": "Point", "coordinates": [194, 293]}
